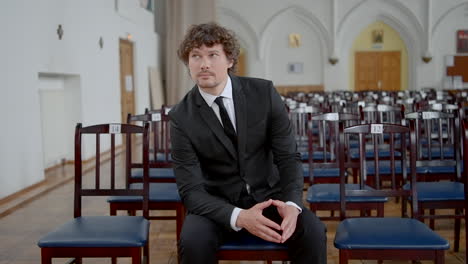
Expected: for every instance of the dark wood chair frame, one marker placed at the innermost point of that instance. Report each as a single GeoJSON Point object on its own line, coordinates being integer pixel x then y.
{"type": "Point", "coordinates": [135, 253]}
{"type": "Point", "coordinates": [329, 127]}
{"type": "Point", "coordinates": [455, 161]}
{"type": "Point", "coordinates": [132, 207]}
{"type": "Point", "coordinates": [379, 254]}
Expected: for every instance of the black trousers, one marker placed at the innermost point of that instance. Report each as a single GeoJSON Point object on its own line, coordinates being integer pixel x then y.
{"type": "Point", "coordinates": [201, 238]}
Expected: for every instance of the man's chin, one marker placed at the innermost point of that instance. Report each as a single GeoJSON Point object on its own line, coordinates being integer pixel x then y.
{"type": "Point", "coordinates": [206, 85]}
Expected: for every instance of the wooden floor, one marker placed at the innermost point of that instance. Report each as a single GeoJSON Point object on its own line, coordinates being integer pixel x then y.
{"type": "Point", "coordinates": [26, 218]}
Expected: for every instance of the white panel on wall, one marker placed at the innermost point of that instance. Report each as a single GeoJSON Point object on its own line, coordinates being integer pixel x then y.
{"type": "Point", "coordinates": [60, 103]}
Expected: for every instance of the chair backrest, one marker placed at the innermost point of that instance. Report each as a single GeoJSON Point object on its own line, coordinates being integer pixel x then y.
{"type": "Point", "coordinates": [382, 113]}
{"type": "Point", "coordinates": [324, 153]}
{"type": "Point", "coordinates": [437, 139]}
{"type": "Point", "coordinates": [392, 131]}
{"type": "Point", "coordinates": [161, 133]}
{"type": "Point", "coordinates": [106, 185]}
{"type": "Point", "coordinates": [300, 117]}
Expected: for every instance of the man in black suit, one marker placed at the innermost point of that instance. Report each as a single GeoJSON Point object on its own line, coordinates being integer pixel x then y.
{"type": "Point", "coordinates": [235, 157]}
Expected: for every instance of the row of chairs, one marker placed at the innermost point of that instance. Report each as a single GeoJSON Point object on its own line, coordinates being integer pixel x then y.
{"type": "Point", "coordinates": [250, 247]}
{"type": "Point", "coordinates": [149, 185]}
{"type": "Point", "coordinates": [439, 156]}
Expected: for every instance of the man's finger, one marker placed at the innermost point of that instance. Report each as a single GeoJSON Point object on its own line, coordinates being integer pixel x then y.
{"type": "Point", "coordinates": [278, 203]}
{"type": "Point", "coordinates": [267, 222]}
{"type": "Point", "coordinates": [288, 230]}
{"type": "Point", "coordinates": [269, 234]}
{"type": "Point", "coordinates": [264, 204]}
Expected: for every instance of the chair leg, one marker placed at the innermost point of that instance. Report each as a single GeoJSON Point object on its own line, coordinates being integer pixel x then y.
{"type": "Point", "coordinates": [431, 221]}
{"type": "Point", "coordinates": [440, 257]}
{"type": "Point", "coordinates": [45, 259]}
{"type": "Point", "coordinates": [114, 260]}
{"type": "Point", "coordinates": [343, 257]}
{"type": "Point", "coordinates": [456, 244]}
{"type": "Point", "coordinates": [146, 257]}
{"type": "Point", "coordinates": [403, 207]}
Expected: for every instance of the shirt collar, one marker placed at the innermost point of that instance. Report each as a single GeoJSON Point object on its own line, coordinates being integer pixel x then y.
{"type": "Point", "coordinates": [227, 93]}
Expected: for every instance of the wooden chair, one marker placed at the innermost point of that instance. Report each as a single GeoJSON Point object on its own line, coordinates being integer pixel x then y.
{"type": "Point", "coordinates": [300, 117]}
{"type": "Point", "coordinates": [163, 193]}
{"type": "Point", "coordinates": [160, 157]}
{"type": "Point", "coordinates": [382, 238]}
{"type": "Point", "coordinates": [440, 183]}
{"type": "Point", "coordinates": [102, 236]}
{"type": "Point", "coordinates": [250, 247]}
{"type": "Point", "coordinates": [465, 180]}
{"type": "Point", "coordinates": [324, 191]}
{"type": "Point", "coordinates": [160, 167]}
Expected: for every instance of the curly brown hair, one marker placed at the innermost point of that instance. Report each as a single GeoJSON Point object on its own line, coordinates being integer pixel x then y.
{"type": "Point", "coordinates": [210, 34]}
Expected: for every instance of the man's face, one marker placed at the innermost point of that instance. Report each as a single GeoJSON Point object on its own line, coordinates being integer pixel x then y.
{"type": "Point", "coordinates": [209, 68]}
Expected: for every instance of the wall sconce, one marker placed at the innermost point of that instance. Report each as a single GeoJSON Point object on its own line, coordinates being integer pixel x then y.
{"type": "Point", "coordinates": [333, 60]}
{"type": "Point", "coordinates": [129, 36]}
{"type": "Point", "coordinates": [426, 59]}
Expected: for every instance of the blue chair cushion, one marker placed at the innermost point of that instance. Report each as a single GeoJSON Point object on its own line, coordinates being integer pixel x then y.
{"type": "Point", "coordinates": [439, 191]}
{"type": "Point", "coordinates": [321, 172]}
{"type": "Point", "coordinates": [154, 173]}
{"type": "Point", "coordinates": [383, 153]}
{"type": "Point", "coordinates": [435, 152]}
{"type": "Point", "coordinates": [99, 231]}
{"type": "Point", "coordinates": [246, 241]}
{"type": "Point", "coordinates": [316, 155]}
{"type": "Point", "coordinates": [330, 192]}
{"type": "Point", "coordinates": [384, 168]}
{"type": "Point", "coordinates": [159, 192]}
{"type": "Point", "coordinates": [387, 233]}
{"type": "Point", "coordinates": [160, 156]}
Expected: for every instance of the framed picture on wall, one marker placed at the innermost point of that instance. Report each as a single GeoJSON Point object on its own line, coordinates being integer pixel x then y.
{"type": "Point", "coordinates": [377, 36]}
{"type": "Point", "coordinates": [462, 41]}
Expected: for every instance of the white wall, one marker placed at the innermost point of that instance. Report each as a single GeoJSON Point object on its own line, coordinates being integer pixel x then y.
{"type": "Point", "coordinates": [331, 26]}
{"type": "Point", "coordinates": [30, 46]}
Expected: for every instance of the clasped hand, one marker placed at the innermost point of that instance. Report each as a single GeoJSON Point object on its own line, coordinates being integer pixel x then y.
{"type": "Point", "coordinates": [253, 221]}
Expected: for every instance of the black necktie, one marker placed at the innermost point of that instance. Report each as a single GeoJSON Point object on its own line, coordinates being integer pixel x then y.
{"type": "Point", "coordinates": [227, 124]}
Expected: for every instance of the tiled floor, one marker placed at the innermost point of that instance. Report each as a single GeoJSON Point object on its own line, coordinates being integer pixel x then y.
{"type": "Point", "coordinates": [20, 230]}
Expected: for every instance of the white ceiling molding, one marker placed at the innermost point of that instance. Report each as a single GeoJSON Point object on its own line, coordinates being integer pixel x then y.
{"type": "Point", "coordinates": [442, 17]}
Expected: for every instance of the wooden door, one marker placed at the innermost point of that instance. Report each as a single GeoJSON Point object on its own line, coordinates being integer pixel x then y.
{"type": "Point", "coordinates": [377, 70]}
{"type": "Point", "coordinates": [241, 64]}
{"type": "Point", "coordinates": [127, 90]}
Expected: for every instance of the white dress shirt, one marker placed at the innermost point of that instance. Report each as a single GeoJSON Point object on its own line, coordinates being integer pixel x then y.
{"type": "Point", "coordinates": [229, 105]}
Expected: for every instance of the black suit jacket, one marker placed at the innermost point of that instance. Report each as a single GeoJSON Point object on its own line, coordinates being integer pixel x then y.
{"type": "Point", "coordinates": [211, 174]}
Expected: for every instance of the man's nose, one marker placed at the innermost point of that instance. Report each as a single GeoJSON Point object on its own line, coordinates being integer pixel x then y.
{"type": "Point", "coordinates": [205, 65]}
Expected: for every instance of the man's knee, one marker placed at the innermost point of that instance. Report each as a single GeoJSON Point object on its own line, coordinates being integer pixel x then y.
{"type": "Point", "coordinates": [198, 239]}
{"type": "Point", "coordinates": [314, 230]}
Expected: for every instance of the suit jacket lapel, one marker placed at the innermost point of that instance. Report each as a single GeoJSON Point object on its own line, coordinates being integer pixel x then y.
{"type": "Point", "coordinates": [240, 107]}
{"type": "Point", "coordinates": [212, 122]}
